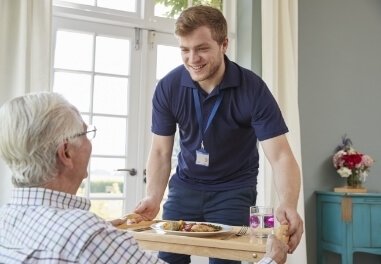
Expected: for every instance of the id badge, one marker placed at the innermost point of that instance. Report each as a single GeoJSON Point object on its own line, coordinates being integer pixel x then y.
{"type": "Point", "coordinates": [202, 157]}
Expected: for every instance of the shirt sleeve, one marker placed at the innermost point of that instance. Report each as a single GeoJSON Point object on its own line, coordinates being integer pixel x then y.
{"type": "Point", "coordinates": [267, 261]}
{"type": "Point", "coordinates": [163, 121]}
{"type": "Point", "coordinates": [267, 118]}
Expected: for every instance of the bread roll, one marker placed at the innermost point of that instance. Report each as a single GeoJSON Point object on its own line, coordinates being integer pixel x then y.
{"type": "Point", "coordinates": [279, 233]}
{"type": "Point", "coordinates": [131, 216]}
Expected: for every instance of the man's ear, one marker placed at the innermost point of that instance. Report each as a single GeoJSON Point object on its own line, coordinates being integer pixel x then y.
{"type": "Point", "coordinates": [224, 45]}
{"type": "Point", "coordinates": [64, 156]}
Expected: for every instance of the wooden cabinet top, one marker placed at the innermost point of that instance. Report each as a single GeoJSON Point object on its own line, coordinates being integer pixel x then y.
{"type": "Point", "coordinates": [349, 194]}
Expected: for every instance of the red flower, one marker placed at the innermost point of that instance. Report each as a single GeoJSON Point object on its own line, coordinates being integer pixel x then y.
{"type": "Point", "coordinates": [351, 160]}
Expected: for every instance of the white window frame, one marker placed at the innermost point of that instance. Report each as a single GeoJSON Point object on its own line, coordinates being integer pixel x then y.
{"type": "Point", "coordinates": [143, 18]}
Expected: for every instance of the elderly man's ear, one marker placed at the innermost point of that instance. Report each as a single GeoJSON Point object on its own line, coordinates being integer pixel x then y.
{"type": "Point", "coordinates": [64, 155]}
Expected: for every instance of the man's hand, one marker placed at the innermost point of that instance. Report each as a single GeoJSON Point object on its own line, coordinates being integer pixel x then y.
{"type": "Point", "coordinates": [132, 217]}
{"type": "Point", "coordinates": [289, 216]}
{"type": "Point", "coordinates": [276, 249]}
{"type": "Point", "coordinates": [117, 222]}
{"type": "Point", "coordinates": [148, 208]}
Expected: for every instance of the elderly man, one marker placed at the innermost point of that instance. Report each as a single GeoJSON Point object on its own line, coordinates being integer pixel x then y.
{"type": "Point", "coordinates": [47, 145]}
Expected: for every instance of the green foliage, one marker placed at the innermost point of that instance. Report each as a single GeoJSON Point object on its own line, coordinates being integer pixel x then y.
{"type": "Point", "coordinates": [102, 186]}
{"type": "Point", "coordinates": [177, 6]}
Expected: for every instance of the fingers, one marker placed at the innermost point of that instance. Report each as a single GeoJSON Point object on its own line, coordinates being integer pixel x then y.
{"type": "Point", "coordinates": [147, 209]}
{"type": "Point", "coordinates": [295, 238]}
{"type": "Point", "coordinates": [143, 209]}
{"type": "Point", "coordinates": [118, 222]}
{"type": "Point", "coordinates": [290, 217]}
{"type": "Point", "coordinates": [138, 207]}
{"type": "Point", "coordinates": [126, 220]}
{"type": "Point", "coordinates": [131, 216]}
{"type": "Point", "coordinates": [295, 233]}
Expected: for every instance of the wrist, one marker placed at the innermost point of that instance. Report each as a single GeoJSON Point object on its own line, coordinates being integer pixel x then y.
{"type": "Point", "coordinates": [267, 260]}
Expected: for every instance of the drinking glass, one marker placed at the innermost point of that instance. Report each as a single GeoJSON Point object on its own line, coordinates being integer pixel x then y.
{"type": "Point", "coordinates": [261, 221]}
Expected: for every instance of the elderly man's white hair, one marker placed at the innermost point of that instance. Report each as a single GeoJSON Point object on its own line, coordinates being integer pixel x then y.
{"type": "Point", "coordinates": [31, 129]}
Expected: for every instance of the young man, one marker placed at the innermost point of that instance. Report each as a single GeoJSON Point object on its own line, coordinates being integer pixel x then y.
{"type": "Point", "coordinates": [47, 146]}
{"type": "Point", "coordinates": [221, 110]}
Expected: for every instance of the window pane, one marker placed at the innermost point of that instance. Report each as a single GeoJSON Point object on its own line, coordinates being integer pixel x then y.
{"type": "Point", "coordinates": [75, 87]}
{"type": "Point", "coordinates": [172, 9]}
{"type": "Point", "coordinates": [110, 95]}
{"type": "Point", "coordinates": [73, 51]}
{"type": "Point", "coordinates": [168, 10]}
{"type": "Point", "coordinates": [111, 136]}
{"type": "Point", "coordinates": [107, 209]}
{"type": "Point", "coordinates": [83, 2]}
{"type": "Point", "coordinates": [125, 5]}
{"type": "Point", "coordinates": [112, 55]}
{"type": "Point", "coordinates": [168, 57]}
{"type": "Point", "coordinates": [105, 182]}
{"type": "Point", "coordinates": [104, 179]}
{"type": "Point", "coordinates": [213, 3]}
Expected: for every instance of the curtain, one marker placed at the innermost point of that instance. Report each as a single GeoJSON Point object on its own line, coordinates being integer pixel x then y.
{"type": "Point", "coordinates": [25, 47]}
{"type": "Point", "coordinates": [280, 72]}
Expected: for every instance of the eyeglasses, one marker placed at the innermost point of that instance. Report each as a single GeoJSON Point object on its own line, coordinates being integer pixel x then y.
{"type": "Point", "coordinates": [90, 133]}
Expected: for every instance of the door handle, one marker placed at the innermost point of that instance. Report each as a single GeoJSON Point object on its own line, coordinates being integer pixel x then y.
{"type": "Point", "coordinates": [131, 171]}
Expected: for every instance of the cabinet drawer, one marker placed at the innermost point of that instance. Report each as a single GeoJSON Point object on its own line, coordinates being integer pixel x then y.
{"type": "Point", "coordinates": [366, 200]}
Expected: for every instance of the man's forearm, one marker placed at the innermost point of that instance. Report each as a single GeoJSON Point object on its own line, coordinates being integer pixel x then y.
{"type": "Point", "coordinates": [287, 182]}
{"type": "Point", "coordinates": [158, 172]}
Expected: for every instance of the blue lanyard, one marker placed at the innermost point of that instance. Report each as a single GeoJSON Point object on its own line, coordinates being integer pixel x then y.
{"type": "Point", "coordinates": [198, 109]}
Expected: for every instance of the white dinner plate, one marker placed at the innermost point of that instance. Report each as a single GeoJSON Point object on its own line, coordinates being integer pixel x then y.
{"type": "Point", "coordinates": [158, 227]}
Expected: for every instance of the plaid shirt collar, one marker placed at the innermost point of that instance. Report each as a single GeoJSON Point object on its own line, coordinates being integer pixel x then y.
{"type": "Point", "coordinates": [47, 197]}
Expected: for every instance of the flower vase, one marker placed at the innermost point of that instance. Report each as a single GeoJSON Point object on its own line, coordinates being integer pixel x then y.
{"type": "Point", "coordinates": [354, 184]}
{"type": "Point", "coordinates": [355, 181]}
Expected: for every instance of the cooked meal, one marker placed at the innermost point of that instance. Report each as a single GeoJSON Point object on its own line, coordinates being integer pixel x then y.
{"type": "Point", "coordinates": [174, 225]}
{"type": "Point", "coordinates": [190, 227]}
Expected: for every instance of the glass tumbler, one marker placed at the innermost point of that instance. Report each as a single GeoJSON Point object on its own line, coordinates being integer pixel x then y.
{"type": "Point", "coordinates": [261, 221]}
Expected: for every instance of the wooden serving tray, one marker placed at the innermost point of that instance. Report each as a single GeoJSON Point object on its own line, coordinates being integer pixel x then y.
{"type": "Point", "coordinates": [244, 248]}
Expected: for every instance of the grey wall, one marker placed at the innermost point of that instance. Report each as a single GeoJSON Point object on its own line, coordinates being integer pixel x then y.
{"type": "Point", "coordinates": [339, 92]}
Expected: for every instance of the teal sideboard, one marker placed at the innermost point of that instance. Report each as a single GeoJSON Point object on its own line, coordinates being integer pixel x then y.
{"type": "Point", "coordinates": [348, 223]}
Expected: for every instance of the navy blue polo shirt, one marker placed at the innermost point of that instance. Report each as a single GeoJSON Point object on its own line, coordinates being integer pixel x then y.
{"type": "Point", "coordinates": [248, 111]}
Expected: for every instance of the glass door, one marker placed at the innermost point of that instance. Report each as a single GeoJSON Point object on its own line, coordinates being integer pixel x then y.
{"type": "Point", "coordinates": [97, 68]}
{"type": "Point", "coordinates": [109, 73]}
